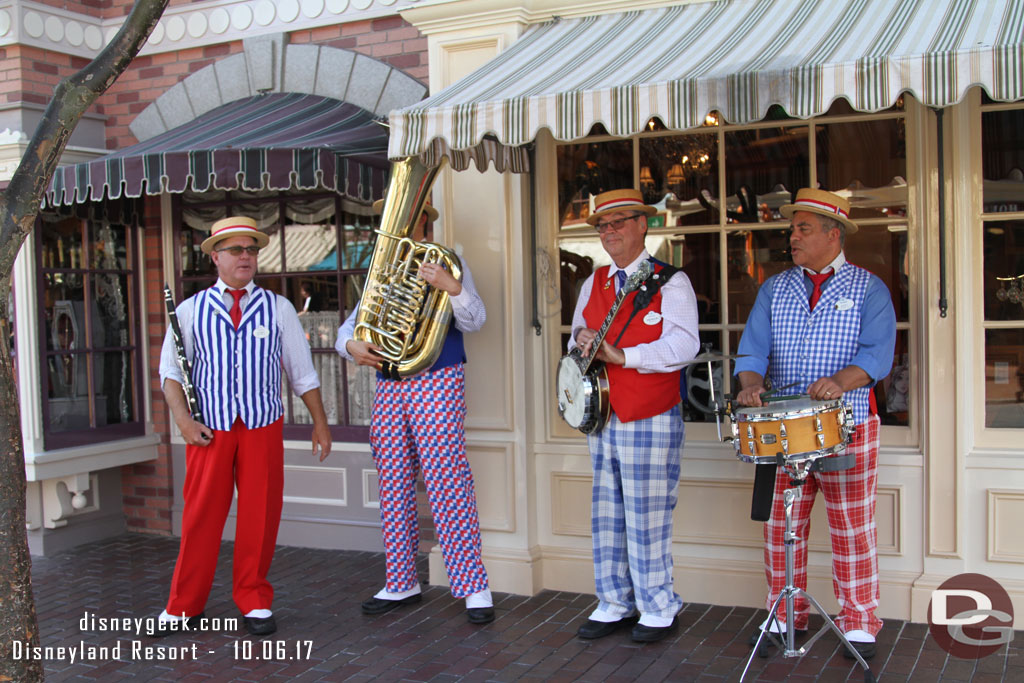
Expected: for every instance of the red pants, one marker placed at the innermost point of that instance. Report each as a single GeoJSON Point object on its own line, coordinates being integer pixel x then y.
{"type": "Point", "coordinates": [850, 508]}
{"type": "Point", "coordinates": [253, 461]}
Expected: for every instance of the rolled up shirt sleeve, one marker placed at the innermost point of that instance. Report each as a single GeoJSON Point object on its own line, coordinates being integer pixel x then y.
{"type": "Point", "coordinates": [756, 341]}
{"type": "Point", "coordinates": [169, 368]}
{"type": "Point", "coordinates": [467, 306]}
{"type": "Point", "coordinates": [578, 321]}
{"type": "Point", "coordinates": [296, 356]}
{"type": "Point", "coordinates": [345, 332]}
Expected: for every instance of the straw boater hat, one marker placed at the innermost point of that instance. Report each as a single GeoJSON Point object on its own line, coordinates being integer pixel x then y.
{"type": "Point", "coordinates": [822, 203]}
{"type": "Point", "coordinates": [231, 226]}
{"type": "Point", "coordinates": [618, 200]}
{"type": "Point", "coordinates": [378, 207]}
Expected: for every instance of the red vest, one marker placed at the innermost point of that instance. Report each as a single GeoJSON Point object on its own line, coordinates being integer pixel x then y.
{"type": "Point", "coordinates": [634, 395]}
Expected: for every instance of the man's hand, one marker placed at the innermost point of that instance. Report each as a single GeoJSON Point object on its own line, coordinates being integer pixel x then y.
{"type": "Point", "coordinates": [606, 353]}
{"type": "Point", "coordinates": [831, 388]}
{"type": "Point", "coordinates": [750, 396]}
{"type": "Point", "coordinates": [321, 439]}
{"type": "Point", "coordinates": [321, 431]}
{"type": "Point", "coordinates": [436, 276]}
{"type": "Point", "coordinates": [364, 353]}
{"type": "Point", "coordinates": [195, 433]}
{"type": "Point", "coordinates": [751, 388]}
{"type": "Point", "coordinates": [825, 389]}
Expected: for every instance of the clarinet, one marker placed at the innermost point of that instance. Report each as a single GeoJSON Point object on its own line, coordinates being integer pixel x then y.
{"type": "Point", "coordinates": [183, 363]}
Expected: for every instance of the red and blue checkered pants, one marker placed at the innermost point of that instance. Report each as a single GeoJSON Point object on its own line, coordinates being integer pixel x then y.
{"type": "Point", "coordinates": [850, 506]}
{"type": "Point", "coordinates": [419, 424]}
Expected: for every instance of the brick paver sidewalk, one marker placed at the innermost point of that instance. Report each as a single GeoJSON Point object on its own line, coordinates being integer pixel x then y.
{"type": "Point", "coordinates": [323, 636]}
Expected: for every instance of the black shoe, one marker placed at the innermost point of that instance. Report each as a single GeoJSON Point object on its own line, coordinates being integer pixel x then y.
{"type": "Point", "coordinates": [865, 650]}
{"type": "Point", "coordinates": [159, 629]}
{"type": "Point", "coordinates": [480, 615]}
{"type": "Point", "coordinates": [379, 606]}
{"type": "Point", "coordinates": [652, 634]}
{"type": "Point", "coordinates": [260, 626]}
{"type": "Point", "coordinates": [591, 629]}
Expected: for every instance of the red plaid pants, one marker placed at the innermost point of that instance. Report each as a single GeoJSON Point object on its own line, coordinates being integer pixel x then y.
{"type": "Point", "coordinates": [850, 506]}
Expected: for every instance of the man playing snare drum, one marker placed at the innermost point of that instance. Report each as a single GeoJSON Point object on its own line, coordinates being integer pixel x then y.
{"type": "Point", "coordinates": [828, 327]}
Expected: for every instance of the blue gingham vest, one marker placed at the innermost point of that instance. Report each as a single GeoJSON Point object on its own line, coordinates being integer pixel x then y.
{"type": "Point", "coordinates": [808, 345]}
{"type": "Point", "coordinates": [237, 373]}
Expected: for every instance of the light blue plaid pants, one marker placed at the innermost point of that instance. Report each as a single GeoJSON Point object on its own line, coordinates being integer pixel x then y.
{"type": "Point", "coordinates": [636, 484]}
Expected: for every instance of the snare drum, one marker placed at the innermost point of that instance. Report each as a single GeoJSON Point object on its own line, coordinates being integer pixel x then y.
{"type": "Point", "coordinates": [798, 428]}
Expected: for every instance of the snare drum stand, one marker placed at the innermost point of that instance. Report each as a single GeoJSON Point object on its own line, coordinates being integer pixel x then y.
{"type": "Point", "coordinates": [790, 592]}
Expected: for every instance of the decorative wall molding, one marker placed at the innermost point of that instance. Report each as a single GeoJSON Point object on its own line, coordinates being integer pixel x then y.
{"type": "Point", "coordinates": [23, 22]}
{"type": "Point", "coordinates": [318, 485]}
{"type": "Point", "coordinates": [67, 496]}
{"type": "Point", "coordinates": [1005, 543]}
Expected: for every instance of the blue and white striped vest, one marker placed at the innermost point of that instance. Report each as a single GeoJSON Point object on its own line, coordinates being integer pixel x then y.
{"type": "Point", "coordinates": [237, 373]}
{"type": "Point", "coordinates": [808, 345]}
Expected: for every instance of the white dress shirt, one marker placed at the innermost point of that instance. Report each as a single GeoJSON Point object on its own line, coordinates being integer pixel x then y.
{"type": "Point", "coordinates": [295, 354]}
{"type": "Point", "coordinates": [678, 342]}
{"type": "Point", "coordinates": [467, 309]}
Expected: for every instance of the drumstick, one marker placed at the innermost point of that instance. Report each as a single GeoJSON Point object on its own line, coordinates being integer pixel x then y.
{"type": "Point", "coordinates": [773, 392]}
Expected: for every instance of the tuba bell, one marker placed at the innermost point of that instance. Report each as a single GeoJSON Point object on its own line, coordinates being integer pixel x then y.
{"type": "Point", "coordinates": [398, 311]}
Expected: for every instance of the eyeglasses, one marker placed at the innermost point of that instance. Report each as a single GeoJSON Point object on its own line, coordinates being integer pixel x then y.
{"type": "Point", "coordinates": [237, 251]}
{"type": "Point", "coordinates": [615, 225]}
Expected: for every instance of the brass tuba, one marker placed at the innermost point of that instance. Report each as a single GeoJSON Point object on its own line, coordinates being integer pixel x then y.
{"type": "Point", "coordinates": [399, 312]}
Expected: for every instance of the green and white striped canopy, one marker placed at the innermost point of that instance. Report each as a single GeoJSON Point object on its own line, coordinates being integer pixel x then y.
{"type": "Point", "coordinates": [738, 57]}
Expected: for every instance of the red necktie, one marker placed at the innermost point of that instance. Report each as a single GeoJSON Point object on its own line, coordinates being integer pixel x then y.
{"type": "Point", "coordinates": [818, 279]}
{"type": "Point", "coordinates": [236, 309]}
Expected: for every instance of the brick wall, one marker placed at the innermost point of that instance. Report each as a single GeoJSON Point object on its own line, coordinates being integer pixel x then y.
{"type": "Point", "coordinates": [29, 74]}
{"type": "Point", "coordinates": [148, 488]}
{"type": "Point", "coordinates": [390, 39]}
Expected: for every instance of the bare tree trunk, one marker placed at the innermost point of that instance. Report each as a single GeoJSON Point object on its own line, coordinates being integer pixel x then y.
{"type": "Point", "coordinates": [18, 209]}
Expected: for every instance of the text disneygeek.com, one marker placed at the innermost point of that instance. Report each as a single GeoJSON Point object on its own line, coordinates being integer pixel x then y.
{"type": "Point", "coordinates": [147, 649]}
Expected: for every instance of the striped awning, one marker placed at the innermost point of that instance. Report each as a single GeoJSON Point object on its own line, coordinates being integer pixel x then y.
{"type": "Point", "coordinates": [275, 141]}
{"type": "Point", "coordinates": [738, 57]}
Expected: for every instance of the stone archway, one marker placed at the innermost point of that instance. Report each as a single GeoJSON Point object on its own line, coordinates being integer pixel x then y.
{"type": "Point", "coordinates": [270, 64]}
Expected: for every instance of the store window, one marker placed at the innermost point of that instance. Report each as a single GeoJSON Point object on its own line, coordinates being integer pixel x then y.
{"type": "Point", "coordinates": [319, 250]}
{"type": "Point", "coordinates": [1002, 223]}
{"type": "Point", "coordinates": [718, 190]}
{"type": "Point", "coordinates": [88, 302]}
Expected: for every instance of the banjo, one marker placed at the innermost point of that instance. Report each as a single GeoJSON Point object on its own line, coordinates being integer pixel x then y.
{"type": "Point", "coordinates": [582, 384]}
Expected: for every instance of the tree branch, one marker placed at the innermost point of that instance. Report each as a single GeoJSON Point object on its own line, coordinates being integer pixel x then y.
{"type": "Point", "coordinates": [72, 97]}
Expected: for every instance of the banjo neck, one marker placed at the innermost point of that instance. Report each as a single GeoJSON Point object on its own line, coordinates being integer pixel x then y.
{"type": "Point", "coordinates": [632, 283]}
{"type": "Point", "coordinates": [587, 360]}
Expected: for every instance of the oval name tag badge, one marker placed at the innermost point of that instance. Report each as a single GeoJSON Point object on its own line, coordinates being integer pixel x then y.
{"type": "Point", "coordinates": [652, 318]}
{"type": "Point", "coordinates": [844, 304]}
{"type": "Point", "coordinates": [261, 332]}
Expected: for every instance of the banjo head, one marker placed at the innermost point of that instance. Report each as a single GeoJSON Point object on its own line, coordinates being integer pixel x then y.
{"type": "Point", "coordinates": [571, 395]}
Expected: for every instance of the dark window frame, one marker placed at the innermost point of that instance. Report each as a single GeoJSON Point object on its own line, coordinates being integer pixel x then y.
{"type": "Point", "coordinates": [88, 215]}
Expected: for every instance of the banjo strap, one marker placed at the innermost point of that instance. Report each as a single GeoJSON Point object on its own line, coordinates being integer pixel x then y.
{"type": "Point", "coordinates": [645, 294]}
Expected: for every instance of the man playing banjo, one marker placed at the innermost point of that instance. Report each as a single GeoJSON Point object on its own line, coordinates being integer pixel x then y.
{"type": "Point", "coordinates": [636, 455]}
{"type": "Point", "coordinates": [828, 329]}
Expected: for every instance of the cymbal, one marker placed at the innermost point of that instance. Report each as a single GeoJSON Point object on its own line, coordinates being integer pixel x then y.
{"type": "Point", "coordinates": [712, 357]}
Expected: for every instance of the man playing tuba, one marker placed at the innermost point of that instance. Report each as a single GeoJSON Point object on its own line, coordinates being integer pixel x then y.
{"type": "Point", "coordinates": [418, 422]}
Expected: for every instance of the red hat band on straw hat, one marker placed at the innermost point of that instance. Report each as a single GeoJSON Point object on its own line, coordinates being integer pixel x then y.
{"type": "Point", "coordinates": [832, 208]}
{"type": "Point", "coordinates": [232, 226]}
